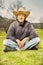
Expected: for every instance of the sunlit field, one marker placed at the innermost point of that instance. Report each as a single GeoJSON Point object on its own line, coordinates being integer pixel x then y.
{"type": "Point", "coordinates": [27, 57]}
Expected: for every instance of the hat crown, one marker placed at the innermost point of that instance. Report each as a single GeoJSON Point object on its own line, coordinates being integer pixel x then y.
{"type": "Point", "coordinates": [21, 9]}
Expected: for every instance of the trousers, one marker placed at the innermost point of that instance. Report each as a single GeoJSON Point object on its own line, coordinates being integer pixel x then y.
{"type": "Point", "coordinates": [28, 44]}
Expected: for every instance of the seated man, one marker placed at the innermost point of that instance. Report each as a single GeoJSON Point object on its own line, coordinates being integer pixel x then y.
{"type": "Point", "coordinates": [21, 34]}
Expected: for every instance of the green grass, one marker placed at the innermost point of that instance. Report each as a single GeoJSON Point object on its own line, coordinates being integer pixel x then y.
{"type": "Point", "coordinates": [2, 33]}
{"type": "Point", "coordinates": [29, 57]}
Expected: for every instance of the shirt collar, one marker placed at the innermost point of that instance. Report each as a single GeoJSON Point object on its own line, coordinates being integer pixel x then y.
{"type": "Point", "coordinates": [23, 24]}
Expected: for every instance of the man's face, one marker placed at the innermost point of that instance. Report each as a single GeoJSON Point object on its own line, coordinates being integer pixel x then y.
{"type": "Point", "coordinates": [21, 18]}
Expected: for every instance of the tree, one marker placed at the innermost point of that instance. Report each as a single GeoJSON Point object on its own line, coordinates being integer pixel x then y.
{"type": "Point", "coordinates": [19, 4]}
{"type": "Point", "coordinates": [4, 23]}
{"type": "Point", "coordinates": [41, 23]}
{"type": "Point", "coordinates": [31, 18]}
{"type": "Point", "coordinates": [12, 6]}
{"type": "Point", "coordinates": [1, 3]}
{"type": "Point", "coordinates": [15, 5]}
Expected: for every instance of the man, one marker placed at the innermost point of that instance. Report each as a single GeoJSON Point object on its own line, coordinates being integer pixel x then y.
{"type": "Point", "coordinates": [21, 34]}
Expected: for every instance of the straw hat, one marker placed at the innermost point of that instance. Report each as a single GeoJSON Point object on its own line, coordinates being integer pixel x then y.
{"type": "Point", "coordinates": [22, 11]}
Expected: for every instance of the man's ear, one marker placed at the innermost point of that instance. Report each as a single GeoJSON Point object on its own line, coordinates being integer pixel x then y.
{"type": "Point", "coordinates": [25, 16]}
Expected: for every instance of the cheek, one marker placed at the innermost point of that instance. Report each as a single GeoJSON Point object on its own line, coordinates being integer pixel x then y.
{"type": "Point", "coordinates": [23, 18]}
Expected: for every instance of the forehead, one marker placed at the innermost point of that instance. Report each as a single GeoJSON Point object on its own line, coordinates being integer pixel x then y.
{"type": "Point", "coordinates": [21, 14]}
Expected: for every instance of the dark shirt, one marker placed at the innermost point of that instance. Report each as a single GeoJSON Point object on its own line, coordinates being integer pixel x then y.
{"type": "Point", "coordinates": [17, 31]}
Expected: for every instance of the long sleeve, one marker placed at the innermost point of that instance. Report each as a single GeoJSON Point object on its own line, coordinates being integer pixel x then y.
{"type": "Point", "coordinates": [11, 33]}
{"type": "Point", "coordinates": [32, 33]}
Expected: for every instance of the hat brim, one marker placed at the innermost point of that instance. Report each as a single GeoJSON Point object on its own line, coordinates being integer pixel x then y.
{"type": "Point", "coordinates": [27, 13]}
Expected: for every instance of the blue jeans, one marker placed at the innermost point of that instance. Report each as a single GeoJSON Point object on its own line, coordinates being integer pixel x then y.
{"type": "Point", "coordinates": [28, 44]}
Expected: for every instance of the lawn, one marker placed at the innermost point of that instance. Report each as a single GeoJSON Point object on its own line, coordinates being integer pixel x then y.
{"type": "Point", "coordinates": [29, 57]}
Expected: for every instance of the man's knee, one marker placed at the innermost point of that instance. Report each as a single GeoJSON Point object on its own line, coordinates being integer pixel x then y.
{"type": "Point", "coordinates": [9, 42]}
{"type": "Point", "coordinates": [5, 42]}
{"type": "Point", "coordinates": [37, 40]}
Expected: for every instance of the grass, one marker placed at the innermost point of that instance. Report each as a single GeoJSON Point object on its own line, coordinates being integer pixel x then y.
{"type": "Point", "coordinates": [29, 57]}
{"type": "Point", "coordinates": [2, 33]}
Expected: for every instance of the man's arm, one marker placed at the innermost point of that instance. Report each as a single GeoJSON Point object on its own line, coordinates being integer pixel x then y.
{"type": "Point", "coordinates": [25, 39]}
{"type": "Point", "coordinates": [32, 33]}
{"type": "Point", "coordinates": [22, 42]}
{"type": "Point", "coordinates": [11, 33]}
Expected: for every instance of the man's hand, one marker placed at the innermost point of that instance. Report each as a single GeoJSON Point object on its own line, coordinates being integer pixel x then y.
{"type": "Point", "coordinates": [25, 39]}
{"type": "Point", "coordinates": [20, 43]}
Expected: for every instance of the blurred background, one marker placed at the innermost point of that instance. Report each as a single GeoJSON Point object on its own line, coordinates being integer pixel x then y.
{"type": "Point", "coordinates": [36, 18]}
{"type": "Point", "coordinates": [7, 17]}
